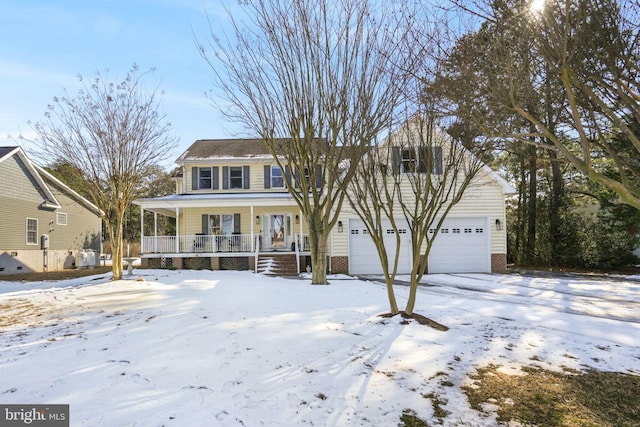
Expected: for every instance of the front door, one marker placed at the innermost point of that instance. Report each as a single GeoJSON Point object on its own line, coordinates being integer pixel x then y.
{"type": "Point", "coordinates": [278, 231]}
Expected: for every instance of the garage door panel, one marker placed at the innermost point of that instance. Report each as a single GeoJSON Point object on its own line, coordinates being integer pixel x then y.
{"type": "Point", "coordinates": [363, 256]}
{"type": "Point", "coordinates": [462, 246]}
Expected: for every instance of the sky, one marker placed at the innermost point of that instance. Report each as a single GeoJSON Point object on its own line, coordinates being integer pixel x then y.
{"type": "Point", "coordinates": [233, 348]}
{"type": "Point", "coordinates": [46, 44]}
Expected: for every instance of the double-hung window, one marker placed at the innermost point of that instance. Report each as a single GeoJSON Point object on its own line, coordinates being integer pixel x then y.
{"type": "Point", "coordinates": [205, 178]}
{"type": "Point", "coordinates": [221, 224]}
{"type": "Point", "coordinates": [32, 231]}
{"type": "Point", "coordinates": [417, 160]}
{"type": "Point", "coordinates": [277, 178]}
{"type": "Point", "coordinates": [235, 177]}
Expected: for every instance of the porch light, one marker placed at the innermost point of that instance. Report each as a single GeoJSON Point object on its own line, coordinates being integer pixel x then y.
{"type": "Point", "coordinates": [297, 219]}
{"type": "Point", "coordinates": [339, 226]}
{"type": "Point", "coordinates": [257, 219]}
{"type": "Point", "coordinates": [498, 224]}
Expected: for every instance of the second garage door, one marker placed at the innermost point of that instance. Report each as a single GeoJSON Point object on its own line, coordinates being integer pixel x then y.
{"type": "Point", "coordinates": [462, 246]}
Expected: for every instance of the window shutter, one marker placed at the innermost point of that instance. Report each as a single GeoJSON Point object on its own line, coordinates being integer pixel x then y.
{"type": "Point", "coordinates": [225, 177]}
{"type": "Point", "coordinates": [216, 183]}
{"type": "Point", "coordinates": [318, 176]}
{"type": "Point", "coordinates": [205, 224]}
{"type": "Point", "coordinates": [287, 174]}
{"type": "Point", "coordinates": [437, 160]}
{"type": "Point", "coordinates": [267, 176]}
{"type": "Point", "coordinates": [424, 161]}
{"type": "Point", "coordinates": [395, 160]}
{"type": "Point", "coordinates": [194, 178]}
{"type": "Point", "coordinates": [297, 177]}
{"type": "Point", "coordinates": [246, 180]}
{"type": "Point", "coordinates": [236, 223]}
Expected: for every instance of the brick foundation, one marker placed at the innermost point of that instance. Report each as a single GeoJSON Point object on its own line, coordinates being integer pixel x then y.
{"type": "Point", "coordinates": [498, 263]}
{"type": "Point", "coordinates": [340, 264]}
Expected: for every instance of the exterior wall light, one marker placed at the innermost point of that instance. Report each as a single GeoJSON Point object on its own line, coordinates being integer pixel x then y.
{"type": "Point", "coordinates": [498, 224]}
{"type": "Point", "coordinates": [257, 219]}
{"type": "Point", "coordinates": [340, 227]}
{"type": "Point", "coordinates": [297, 219]}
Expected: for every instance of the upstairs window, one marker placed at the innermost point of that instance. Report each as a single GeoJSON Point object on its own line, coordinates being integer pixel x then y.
{"type": "Point", "coordinates": [205, 178]}
{"type": "Point", "coordinates": [277, 177]}
{"type": "Point", "coordinates": [416, 160]}
{"type": "Point", "coordinates": [235, 177]}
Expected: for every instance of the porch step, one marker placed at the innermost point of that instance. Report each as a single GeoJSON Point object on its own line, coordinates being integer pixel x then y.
{"type": "Point", "coordinates": [277, 265]}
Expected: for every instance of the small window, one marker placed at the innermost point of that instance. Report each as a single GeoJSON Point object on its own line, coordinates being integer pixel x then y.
{"type": "Point", "coordinates": [355, 231]}
{"type": "Point", "coordinates": [456, 231]}
{"type": "Point", "coordinates": [479, 230]}
{"type": "Point", "coordinates": [61, 218]}
{"type": "Point", "coordinates": [402, 231]}
{"type": "Point", "coordinates": [468, 230]}
{"type": "Point", "coordinates": [277, 179]}
{"type": "Point", "coordinates": [32, 231]}
{"type": "Point", "coordinates": [432, 230]}
{"type": "Point", "coordinates": [235, 177]}
{"type": "Point", "coordinates": [444, 231]}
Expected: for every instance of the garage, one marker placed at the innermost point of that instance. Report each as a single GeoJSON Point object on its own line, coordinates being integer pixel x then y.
{"type": "Point", "coordinates": [363, 256]}
{"type": "Point", "coordinates": [462, 246]}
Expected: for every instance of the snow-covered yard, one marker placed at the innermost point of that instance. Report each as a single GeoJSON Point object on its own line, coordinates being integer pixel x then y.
{"type": "Point", "coordinates": [196, 348]}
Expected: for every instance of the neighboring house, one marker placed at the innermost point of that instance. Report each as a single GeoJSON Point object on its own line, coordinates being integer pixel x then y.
{"type": "Point", "coordinates": [233, 211]}
{"type": "Point", "coordinates": [44, 223]}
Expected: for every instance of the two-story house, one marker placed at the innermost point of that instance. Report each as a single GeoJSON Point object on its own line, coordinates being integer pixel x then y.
{"type": "Point", "coordinates": [43, 222]}
{"type": "Point", "coordinates": [233, 211]}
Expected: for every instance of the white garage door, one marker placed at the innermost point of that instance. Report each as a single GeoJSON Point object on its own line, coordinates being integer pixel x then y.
{"type": "Point", "coordinates": [462, 246]}
{"type": "Point", "coordinates": [363, 256]}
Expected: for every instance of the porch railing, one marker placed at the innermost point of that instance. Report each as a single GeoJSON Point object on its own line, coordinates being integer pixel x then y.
{"type": "Point", "coordinates": [209, 243]}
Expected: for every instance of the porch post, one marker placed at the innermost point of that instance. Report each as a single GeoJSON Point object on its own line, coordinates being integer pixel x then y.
{"type": "Point", "coordinates": [253, 244]}
{"type": "Point", "coordinates": [155, 232]}
{"type": "Point", "coordinates": [142, 230]}
{"type": "Point", "coordinates": [177, 230]}
{"type": "Point", "coordinates": [301, 243]}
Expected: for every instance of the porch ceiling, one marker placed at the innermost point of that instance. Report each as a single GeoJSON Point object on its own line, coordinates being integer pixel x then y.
{"type": "Point", "coordinates": [167, 205]}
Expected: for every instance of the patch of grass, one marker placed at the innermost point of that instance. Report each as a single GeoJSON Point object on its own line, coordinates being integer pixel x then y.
{"type": "Point", "coordinates": [546, 398]}
{"type": "Point", "coordinates": [410, 419]}
{"type": "Point", "coordinates": [438, 411]}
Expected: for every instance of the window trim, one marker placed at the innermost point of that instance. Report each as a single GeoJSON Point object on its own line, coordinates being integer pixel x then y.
{"type": "Point", "coordinates": [210, 178]}
{"type": "Point", "coordinates": [35, 242]}
{"type": "Point", "coordinates": [236, 178]}
{"type": "Point", "coordinates": [281, 177]}
{"type": "Point", "coordinates": [59, 220]}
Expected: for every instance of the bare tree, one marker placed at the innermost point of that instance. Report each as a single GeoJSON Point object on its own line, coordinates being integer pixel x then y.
{"type": "Point", "coordinates": [588, 53]}
{"type": "Point", "coordinates": [110, 133]}
{"type": "Point", "coordinates": [412, 180]}
{"type": "Point", "coordinates": [323, 75]}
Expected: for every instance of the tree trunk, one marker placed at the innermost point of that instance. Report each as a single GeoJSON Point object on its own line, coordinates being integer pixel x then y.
{"type": "Point", "coordinates": [530, 250]}
{"type": "Point", "coordinates": [318, 246]}
{"type": "Point", "coordinates": [116, 250]}
{"type": "Point", "coordinates": [393, 304]}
